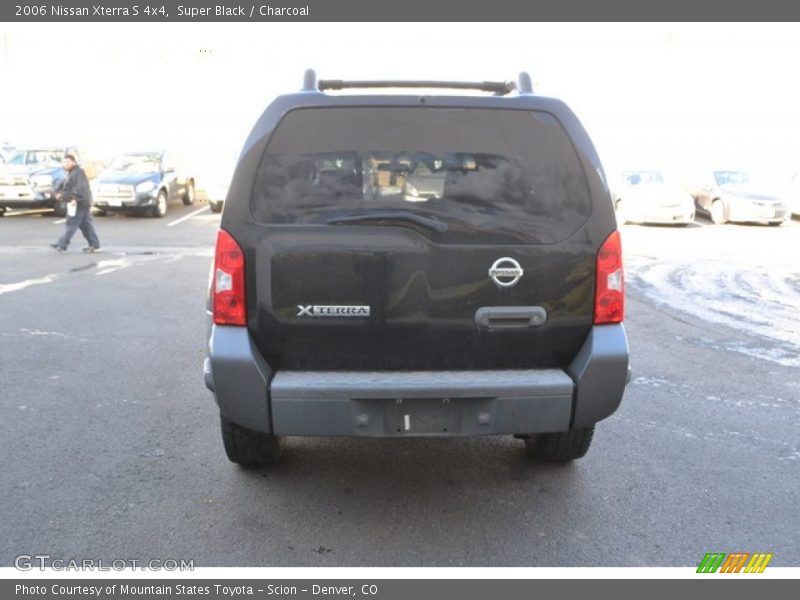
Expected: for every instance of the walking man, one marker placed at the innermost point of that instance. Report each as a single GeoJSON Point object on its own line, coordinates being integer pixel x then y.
{"type": "Point", "coordinates": [75, 191]}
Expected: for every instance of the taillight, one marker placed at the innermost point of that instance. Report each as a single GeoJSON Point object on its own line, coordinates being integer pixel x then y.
{"type": "Point", "coordinates": [609, 293]}
{"type": "Point", "coordinates": [227, 292]}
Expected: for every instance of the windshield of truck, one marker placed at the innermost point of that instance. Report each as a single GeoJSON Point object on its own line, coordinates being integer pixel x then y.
{"type": "Point", "coordinates": [37, 157]}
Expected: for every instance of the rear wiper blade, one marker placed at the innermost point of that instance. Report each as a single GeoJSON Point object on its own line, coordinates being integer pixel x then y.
{"type": "Point", "coordinates": [392, 215]}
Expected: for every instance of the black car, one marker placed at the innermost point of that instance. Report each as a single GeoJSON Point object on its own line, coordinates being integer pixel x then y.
{"type": "Point", "coordinates": [141, 183]}
{"type": "Point", "coordinates": [30, 176]}
{"type": "Point", "coordinates": [416, 265]}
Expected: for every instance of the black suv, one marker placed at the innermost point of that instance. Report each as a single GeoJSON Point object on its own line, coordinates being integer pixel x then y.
{"type": "Point", "coordinates": [416, 265]}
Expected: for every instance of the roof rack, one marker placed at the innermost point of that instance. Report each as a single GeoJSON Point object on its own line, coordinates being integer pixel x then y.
{"type": "Point", "coordinates": [499, 88]}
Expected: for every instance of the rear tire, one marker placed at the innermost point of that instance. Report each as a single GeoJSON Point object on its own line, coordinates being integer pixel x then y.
{"type": "Point", "coordinates": [216, 207]}
{"type": "Point", "coordinates": [560, 447]}
{"type": "Point", "coordinates": [717, 212]}
{"type": "Point", "coordinates": [250, 448]}
{"type": "Point", "coordinates": [188, 196]}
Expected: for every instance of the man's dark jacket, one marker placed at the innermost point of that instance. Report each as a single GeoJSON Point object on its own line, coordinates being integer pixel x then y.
{"type": "Point", "coordinates": [75, 186]}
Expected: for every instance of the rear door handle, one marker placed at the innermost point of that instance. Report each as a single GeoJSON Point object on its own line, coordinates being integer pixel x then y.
{"type": "Point", "coordinates": [510, 317]}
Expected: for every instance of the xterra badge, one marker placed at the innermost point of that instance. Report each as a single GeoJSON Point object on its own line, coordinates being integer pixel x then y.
{"type": "Point", "coordinates": [506, 272]}
{"type": "Point", "coordinates": [332, 311]}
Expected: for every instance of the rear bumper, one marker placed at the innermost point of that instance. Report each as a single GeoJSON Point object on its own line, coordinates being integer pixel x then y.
{"type": "Point", "coordinates": [416, 403]}
{"type": "Point", "coordinates": [420, 403]}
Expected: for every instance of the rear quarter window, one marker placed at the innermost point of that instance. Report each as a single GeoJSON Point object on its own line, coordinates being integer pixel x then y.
{"type": "Point", "coordinates": [493, 176]}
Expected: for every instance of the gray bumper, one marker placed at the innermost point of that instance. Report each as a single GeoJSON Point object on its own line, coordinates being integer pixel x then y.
{"type": "Point", "coordinates": [420, 403]}
{"type": "Point", "coordinates": [238, 376]}
{"type": "Point", "coordinates": [600, 372]}
{"type": "Point", "coordinates": [416, 403]}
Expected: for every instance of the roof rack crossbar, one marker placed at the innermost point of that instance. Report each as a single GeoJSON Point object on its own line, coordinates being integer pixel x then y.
{"type": "Point", "coordinates": [499, 88]}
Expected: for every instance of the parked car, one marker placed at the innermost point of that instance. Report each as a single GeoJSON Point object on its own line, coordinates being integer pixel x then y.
{"type": "Point", "coordinates": [30, 175]}
{"type": "Point", "coordinates": [215, 188]}
{"type": "Point", "coordinates": [729, 196]}
{"type": "Point", "coordinates": [416, 265]}
{"type": "Point", "coordinates": [6, 150]}
{"type": "Point", "coordinates": [141, 183]}
{"type": "Point", "coordinates": [216, 199]}
{"type": "Point", "coordinates": [793, 194]}
{"type": "Point", "coordinates": [646, 197]}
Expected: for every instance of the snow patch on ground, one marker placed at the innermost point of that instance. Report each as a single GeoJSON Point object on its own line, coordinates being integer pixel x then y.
{"type": "Point", "coordinates": [762, 301]}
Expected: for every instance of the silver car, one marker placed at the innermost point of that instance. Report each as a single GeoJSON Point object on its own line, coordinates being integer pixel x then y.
{"type": "Point", "coordinates": [646, 197]}
{"type": "Point", "coordinates": [729, 196]}
{"type": "Point", "coordinates": [793, 194]}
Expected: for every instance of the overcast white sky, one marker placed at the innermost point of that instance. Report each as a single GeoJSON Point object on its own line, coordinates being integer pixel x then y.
{"type": "Point", "coordinates": [668, 96]}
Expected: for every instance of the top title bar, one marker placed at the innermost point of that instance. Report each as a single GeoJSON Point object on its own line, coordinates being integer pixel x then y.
{"type": "Point", "coordinates": [406, 11]}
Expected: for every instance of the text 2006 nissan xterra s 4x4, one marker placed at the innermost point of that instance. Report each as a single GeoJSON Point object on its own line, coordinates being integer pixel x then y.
{"type": "Point", "coordinates": [416, 264]}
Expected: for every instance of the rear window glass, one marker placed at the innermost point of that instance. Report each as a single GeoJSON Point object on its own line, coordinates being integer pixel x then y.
{"type": "Point", "coordinates": [490, 176]}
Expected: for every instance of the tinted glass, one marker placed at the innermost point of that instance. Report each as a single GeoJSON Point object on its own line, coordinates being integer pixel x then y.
{"type": "Point", "coordinates": [492, 176]}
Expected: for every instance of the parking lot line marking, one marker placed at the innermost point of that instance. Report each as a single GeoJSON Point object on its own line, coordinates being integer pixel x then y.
{"type": "Point", "coordinates": [21, 285]}
{"type": "Point", "coordinates": [189, 216]}
{"type": "Point", "coordinates": [23, 212]}
{"type": "Point", "coordinates": [59, 222]}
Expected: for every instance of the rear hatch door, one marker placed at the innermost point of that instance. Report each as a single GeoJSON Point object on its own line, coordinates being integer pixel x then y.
{"type": "Point", "coordinates": [420, 238]}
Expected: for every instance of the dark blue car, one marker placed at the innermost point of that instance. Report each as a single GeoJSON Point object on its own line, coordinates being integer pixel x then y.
{"type": "Point", "coordinates": [141, 183]}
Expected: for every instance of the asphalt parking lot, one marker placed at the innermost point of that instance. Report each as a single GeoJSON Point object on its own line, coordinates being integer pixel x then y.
{"type": "Point", "coordinates": [112, 447]}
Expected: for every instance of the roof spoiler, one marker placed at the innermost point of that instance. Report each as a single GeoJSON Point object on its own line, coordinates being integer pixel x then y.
{"type": "Point", "coordinates": [498, 88]}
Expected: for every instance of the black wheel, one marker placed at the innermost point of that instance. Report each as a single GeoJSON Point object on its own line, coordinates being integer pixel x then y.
{"type": "Point", "coordinates": [2, 212]}
{"type": "Point", "coordinates": [250, 448]}
{"type": "Point", "coordinates": [160, 209]}
{"type": "Point", "coordinates": [100, 213]}
{"type": "Point", "coordinates": [560, 447]}
{"type": "Point", "coordinates": [215, 207]}
{"type": "Point", "coordinates": [778, 223]}
{"type": "Point", "coordinates": [188, 195]}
